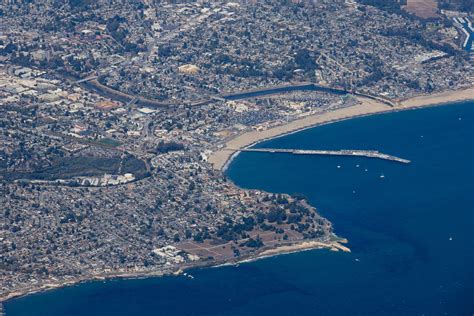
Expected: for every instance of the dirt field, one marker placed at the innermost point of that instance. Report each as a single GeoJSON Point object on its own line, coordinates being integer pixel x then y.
{"type": "Point", "coordinates": [224, 250]}
{"type": "Point", "coordinates": [422, 8]}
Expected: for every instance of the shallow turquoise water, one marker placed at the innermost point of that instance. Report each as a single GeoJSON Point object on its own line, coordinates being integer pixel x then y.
{"type": "Point", "coordinates": [410, 232]}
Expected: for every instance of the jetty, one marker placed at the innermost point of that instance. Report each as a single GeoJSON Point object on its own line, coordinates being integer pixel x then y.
{"type": "Point", "coordinates": [343, 152]}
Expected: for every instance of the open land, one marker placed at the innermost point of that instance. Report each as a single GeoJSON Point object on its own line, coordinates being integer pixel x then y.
{"type": "Point", "coordinates": [422, 8]}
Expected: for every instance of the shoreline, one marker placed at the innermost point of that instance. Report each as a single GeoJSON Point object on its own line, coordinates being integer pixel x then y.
{"type": "Point", "coordinates": [221, 158]}
{"type": "Point", "coordinates": [334, 244]}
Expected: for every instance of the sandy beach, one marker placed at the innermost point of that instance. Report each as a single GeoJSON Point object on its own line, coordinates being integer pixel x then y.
{"type": "Point", "coordinates": [220, 158]}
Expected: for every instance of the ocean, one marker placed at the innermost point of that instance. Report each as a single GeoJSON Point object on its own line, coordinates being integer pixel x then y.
{"type": "Point", "coordinates": [409, 228]}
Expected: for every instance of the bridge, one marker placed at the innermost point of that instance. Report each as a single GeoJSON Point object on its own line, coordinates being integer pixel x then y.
{"type": "Point", "coordinates": [90, 78]}
{"type": "Point", "coordinates": [343, 152]}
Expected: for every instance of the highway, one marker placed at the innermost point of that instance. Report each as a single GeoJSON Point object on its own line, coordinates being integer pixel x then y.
{"type": "Point", "coordinates": [343, 152]}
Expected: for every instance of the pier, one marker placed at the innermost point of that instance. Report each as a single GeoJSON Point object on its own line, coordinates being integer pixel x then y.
{"type": "Point", "coordinates": [343, 152]}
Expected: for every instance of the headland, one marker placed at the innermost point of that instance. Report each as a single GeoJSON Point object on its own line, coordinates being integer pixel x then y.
{"type": "Point", "coordinates": [222, 157]}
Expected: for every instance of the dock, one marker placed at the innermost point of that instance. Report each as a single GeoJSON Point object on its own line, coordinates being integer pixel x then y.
{"type": "Point", "coordinates": [343, 152]}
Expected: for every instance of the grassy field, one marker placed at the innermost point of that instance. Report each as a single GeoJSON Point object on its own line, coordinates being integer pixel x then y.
{"type": "Point", "coordinates": [70, 167]}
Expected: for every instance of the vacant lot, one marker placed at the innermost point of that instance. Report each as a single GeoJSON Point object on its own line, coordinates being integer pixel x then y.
{"type": "Point", "coordinates": [422, 8]}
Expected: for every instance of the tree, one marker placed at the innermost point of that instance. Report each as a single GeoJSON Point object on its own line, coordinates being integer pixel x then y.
{"type": "Point", "coordinates": [276, 215]}
{"type": "Point", "coordinates": [176, 237]}
{"type": "Point", "coordinates": [304, 60]}
{"type": "Point", "coordinates": [253, 243]}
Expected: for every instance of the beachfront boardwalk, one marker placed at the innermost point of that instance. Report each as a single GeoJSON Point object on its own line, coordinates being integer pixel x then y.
{"type": "Point", "coordinates": [343, 152]}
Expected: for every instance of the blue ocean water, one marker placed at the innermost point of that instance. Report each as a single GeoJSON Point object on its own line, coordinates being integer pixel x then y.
{"type": "Point", "coordinates": [410, 232]}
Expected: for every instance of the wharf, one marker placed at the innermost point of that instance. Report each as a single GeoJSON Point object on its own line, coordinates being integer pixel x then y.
{"type": "Point", "coordinates": [343, 152]}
